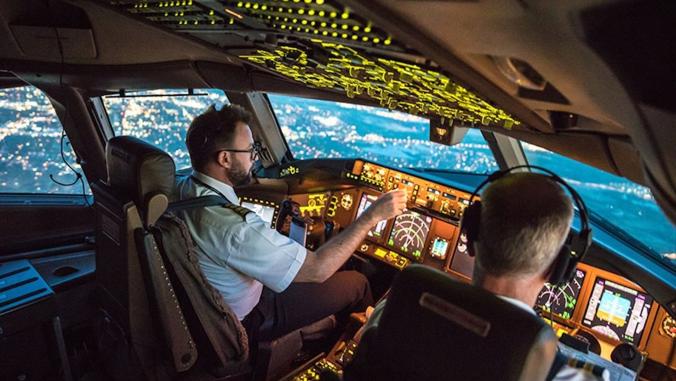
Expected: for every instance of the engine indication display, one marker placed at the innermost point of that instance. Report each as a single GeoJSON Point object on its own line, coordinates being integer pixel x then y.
{"type": "Point", "coordinates": [409, 234]}
{"type": "Point", "coordinates": [561, 301]}
{"type": "Point", "coordinates": [617, 311]}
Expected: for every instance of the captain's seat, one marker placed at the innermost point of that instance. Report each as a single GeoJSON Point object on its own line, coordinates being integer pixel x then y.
{"type": "Point", "coordinates": [151, 283]}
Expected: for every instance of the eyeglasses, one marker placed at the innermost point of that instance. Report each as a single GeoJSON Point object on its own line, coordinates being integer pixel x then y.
{"type": "Point", "coordinates": [254, 150]}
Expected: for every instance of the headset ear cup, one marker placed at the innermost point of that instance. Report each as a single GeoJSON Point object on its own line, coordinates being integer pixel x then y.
{"type": "Point", "coordinates": [471, 220]}
{"type": "Point", "coordinates": [561, 268]}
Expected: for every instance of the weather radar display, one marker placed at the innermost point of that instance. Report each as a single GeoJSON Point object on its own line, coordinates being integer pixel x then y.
{"type": "Point", "coordinates": [561, 300]}
{"type": "Point", "coordinates": [409, 234]}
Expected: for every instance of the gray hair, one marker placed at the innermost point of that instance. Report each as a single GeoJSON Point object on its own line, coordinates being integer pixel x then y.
{"type": "Point", "coordinates": [525, 219]}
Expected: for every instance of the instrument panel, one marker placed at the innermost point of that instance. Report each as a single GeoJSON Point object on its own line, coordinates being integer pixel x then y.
{"type": "Point", "coordinates": [608, 306]}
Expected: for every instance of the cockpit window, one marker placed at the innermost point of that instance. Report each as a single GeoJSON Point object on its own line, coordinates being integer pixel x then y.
{"type": "Point", "coordinates": [35, 154]}
{"type": "Point", "coordinates": [320, 129]}
{"type": "Point", "coordinates": [619, 202]}
{"type": "Point", "coordinates": [161, 117]}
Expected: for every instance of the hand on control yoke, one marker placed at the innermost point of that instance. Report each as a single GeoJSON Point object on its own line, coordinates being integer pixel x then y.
{"type": "Point", "coordinates": [389, 205]}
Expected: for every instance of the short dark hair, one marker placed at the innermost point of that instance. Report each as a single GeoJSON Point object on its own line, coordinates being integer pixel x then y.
{"type": "Point", "coordinates": [211, 130]}
{"type": "Point", "coordinates": [525, 218]}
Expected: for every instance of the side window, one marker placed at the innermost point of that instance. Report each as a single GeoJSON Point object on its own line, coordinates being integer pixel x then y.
{"type": "Point", "coordinates": [31, 146]}
{"type": "Point", "coordinates": [621, 203]}
{"type": "Point", "coordinates": [160, 117]}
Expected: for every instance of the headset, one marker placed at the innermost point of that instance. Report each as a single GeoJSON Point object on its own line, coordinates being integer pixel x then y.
{"type": "Point", "coordinates": [574, 248]}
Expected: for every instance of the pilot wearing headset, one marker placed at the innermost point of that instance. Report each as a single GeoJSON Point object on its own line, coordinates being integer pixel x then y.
{"type": "Point", "coordinates": [273, 284]}
{"type": "Point", "coordinates": [519, 233]}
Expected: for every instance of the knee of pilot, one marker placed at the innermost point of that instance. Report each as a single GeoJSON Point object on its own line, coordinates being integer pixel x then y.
{"type": "Point", "coordinates": [359, 281]}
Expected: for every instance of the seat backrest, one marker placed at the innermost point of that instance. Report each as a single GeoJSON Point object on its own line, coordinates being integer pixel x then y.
{"type": "Point", "coordinates": [435, 328]}
{"type": "Point", "coordinates": [130, 271]}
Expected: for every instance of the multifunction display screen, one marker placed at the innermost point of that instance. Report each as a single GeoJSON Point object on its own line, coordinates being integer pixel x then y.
{"type": "Point", "coordinates": [561, 300]}
{"type": "Point", "coordinates": [617, 311]}
{"type": "Point", "coordinates": [364, 203]}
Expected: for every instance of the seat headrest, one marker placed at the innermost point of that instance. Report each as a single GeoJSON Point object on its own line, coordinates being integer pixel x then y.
{"type": "Point", "coordinates": [142, 172]}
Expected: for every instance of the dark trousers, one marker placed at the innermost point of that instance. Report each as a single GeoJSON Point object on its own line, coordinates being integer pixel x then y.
{"type": "Point", "coordinates": [301, 304]}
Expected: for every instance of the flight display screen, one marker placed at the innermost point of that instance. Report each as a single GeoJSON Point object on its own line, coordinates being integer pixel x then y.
{"type": "Point", "coordinates": [364, 203]}
{"type": "Point", "coordinates": [617, 311]}
{"type": "Point", "coordinates": [409, 234]}
{"type": "Point", "coordinates": [561, 301]}
{"type": "Point", "coordinates": [462, 262]}
{"type": "Point", "coordinates": [265, 212]}
{"type": "Point", "coordinates": [438, 248]}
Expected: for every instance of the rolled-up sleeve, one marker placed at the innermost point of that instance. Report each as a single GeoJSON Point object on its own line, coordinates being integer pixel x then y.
{"type": "Point", "coordinates": [263, 254]}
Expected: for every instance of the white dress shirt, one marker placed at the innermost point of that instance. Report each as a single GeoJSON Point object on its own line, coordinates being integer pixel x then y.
{"type": "Point", "coordinates": [238, 255]}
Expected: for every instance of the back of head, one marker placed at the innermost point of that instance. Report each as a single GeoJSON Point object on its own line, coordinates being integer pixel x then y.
{"type": "Point", "coordinates": [212, 130]}
{"type": "Point", "coordinates": [525, 219]}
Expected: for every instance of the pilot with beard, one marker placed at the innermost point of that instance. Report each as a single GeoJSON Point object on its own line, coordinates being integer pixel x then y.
{"type": "Point", "coordinates": [273, 284]}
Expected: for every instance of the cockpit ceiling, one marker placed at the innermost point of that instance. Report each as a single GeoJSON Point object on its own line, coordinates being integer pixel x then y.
{"type": "Point", "coordinates": [323, 45]}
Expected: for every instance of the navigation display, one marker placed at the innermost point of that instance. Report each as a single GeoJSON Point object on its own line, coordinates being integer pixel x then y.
{"type": "Point", "coordinates": [364, 203]}
{"type": "Point", "coordinates": [617, 311]}
{"type": "Point", "coordinates": [409, 234]}
{"type": "Point", "coordinates": [265, 212]}
{"type": "Point", "coordinates": [462, 263]}
{"type": "Point", "coordinates": [561, 301]}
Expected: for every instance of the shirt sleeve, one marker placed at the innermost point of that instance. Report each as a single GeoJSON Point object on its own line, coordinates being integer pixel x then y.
{"type": "Point", "coordinates": [263, 254]}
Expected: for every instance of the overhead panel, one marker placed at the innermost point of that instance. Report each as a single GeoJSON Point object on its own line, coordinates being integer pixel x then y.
{"type": "Point", "coordinates": [325, 45]}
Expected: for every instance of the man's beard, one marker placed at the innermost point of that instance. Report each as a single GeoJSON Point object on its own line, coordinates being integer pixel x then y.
{"type": "Point", "coordinates": [240, 176]}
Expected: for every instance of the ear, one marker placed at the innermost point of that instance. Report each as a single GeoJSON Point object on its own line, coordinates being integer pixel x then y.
{"type": "Point", "coordinates": [223, 159]}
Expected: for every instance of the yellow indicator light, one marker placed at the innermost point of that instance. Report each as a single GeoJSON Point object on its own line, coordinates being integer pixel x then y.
{"type": "Point", "coordinates": [286, 19]}
{"type": "Point", "coordinates": [307, 30]}
{"type": "Point", "coordinates": [320, 2]}
{"type": "Point", "coordinates": [283, 26]}
{"type": "Point", "coordinates": [280, 9]}
{"type": "Point", "coordinates": [365, 38]}
{"type": "Point", "coordinates": [355, 28]}
{"type": "Point", "coordinates": [333, 14]}
{"type": "Point", "coordinates": [345, 15]}
{"type": "Point", "coordinates": [211, 12]}
{"type": "Point", "coordinates": [315, 31]}
{"type": "Point", "coordinates": [189, 2]}
{"type": "Point", "coordinates": [334, 25]}
{"type": "Point", "coordinates": [231, 22]}
{"type": "Point", "coordinates": [301, 11]}
{"type": "Point", "coordinates": [213, 22]}
{"type": "Point", "coordinates": [308, 1]}
{"type": "Point", "coordinates": [264, 7]}
{"type": "Point", "coordinates": [196, 22]}
{"type": "Point", "coordinates": [388, 41]}
{"type": "Point", "coordinates": [247, 5]}
{"type": "Point", "coordinates": [255, 6]}
{"type": "Point", "coordinates": [367, 29]}
{"type": "Point", "coordinates": [354, 37]}
{"type": "Point", "coordinates": [380, 253]}
{"type": "Point", "coordinates": [312, 23]}
{"type": "Point", "coordinates": [323, 24]}
{"type": "Point", "coordinates": [344, 26]}
{"type": "Point", "coordinates": [325, 33]}
{"type": "Point", "coordinates": [322, 13]}
{"type": "Point", "coordinates": [376, 40]}
{"type": "Point", "coordinates": [166, 14]}
{"type": "Point", "coordinates": [344, 35]}
{"type": "Point", "coordinates": [304, 22]}
{"type": "Point", "coordinates": [294, 21]}
{"type": "Point", "coordinates": [334, 34]}
{"type": "Point", "coordinates": [311, 12]}
{"type": "Point", "coordinates": [296, 1]}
